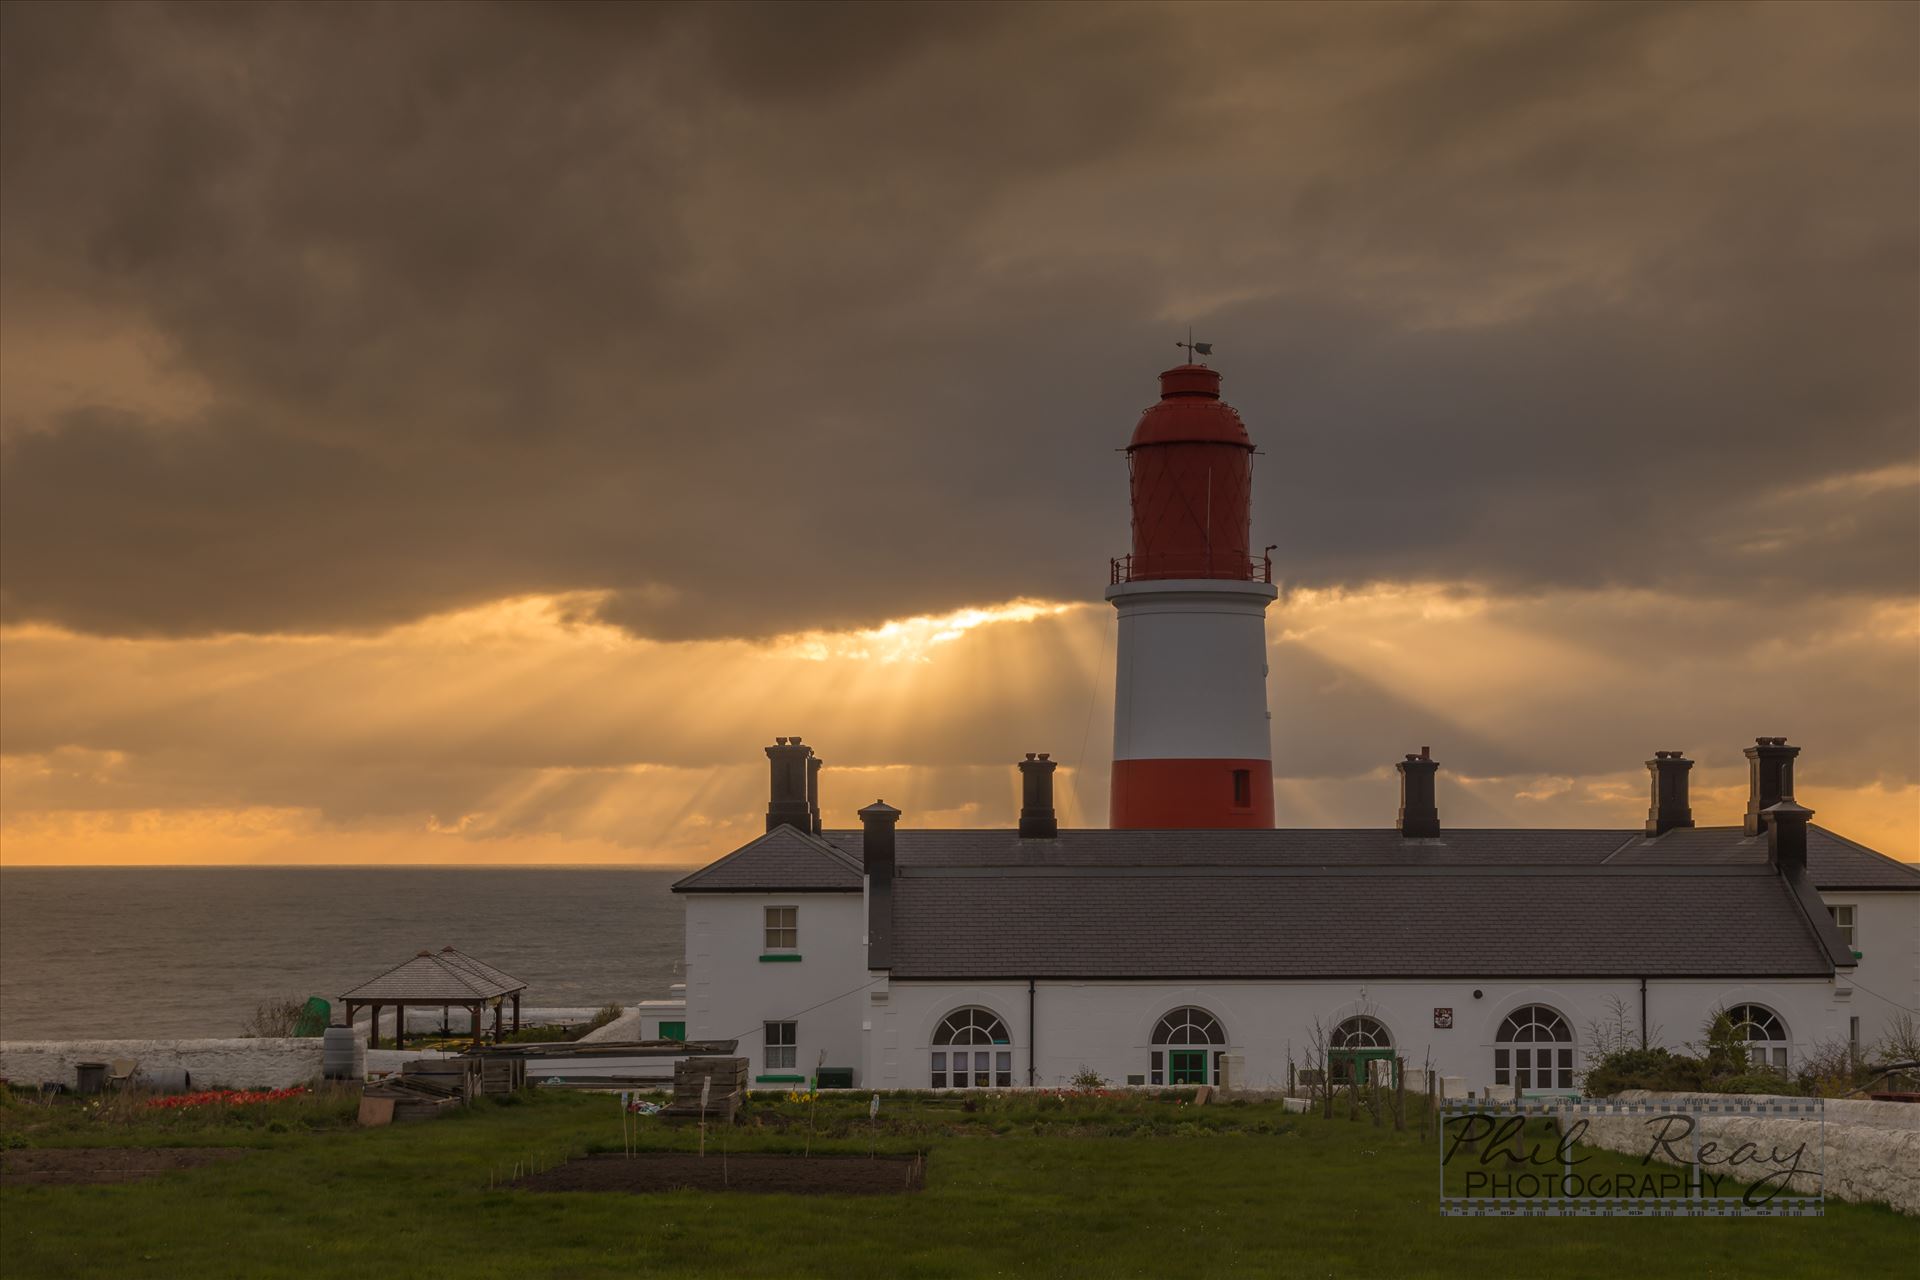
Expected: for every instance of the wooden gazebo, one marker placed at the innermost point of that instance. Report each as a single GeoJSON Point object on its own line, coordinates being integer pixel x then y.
{"type": "Point", "coordinates": [448, 978]}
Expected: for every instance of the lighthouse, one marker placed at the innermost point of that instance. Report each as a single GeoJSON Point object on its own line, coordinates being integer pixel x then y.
{"type": "Point", "coordinates": [1190, 743]}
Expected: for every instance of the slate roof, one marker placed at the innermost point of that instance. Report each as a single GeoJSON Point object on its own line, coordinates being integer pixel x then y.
{"type": "Point", "coordinates": [1833, 861]}
{"type": "Point", "coordinates": [1700, 902]}
{"type": "Point", "coordinates": [436, 977]}
{"type": "Point", "coordinates": [1192, 923]}
{"type": "Point", "coordinates": [785, 860]}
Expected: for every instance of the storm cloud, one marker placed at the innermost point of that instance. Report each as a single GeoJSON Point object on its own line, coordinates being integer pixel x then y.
{"type": "Point", "coordinates": [691, 338]}
{"type": "Point", "coordinates": [771, 318]}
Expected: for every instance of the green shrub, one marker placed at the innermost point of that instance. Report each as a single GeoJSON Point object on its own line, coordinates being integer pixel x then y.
{"type": "Point", "coordinates": [1645, 1069]}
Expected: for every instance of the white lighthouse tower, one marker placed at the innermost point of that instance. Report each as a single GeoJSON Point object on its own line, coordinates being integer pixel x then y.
{"type": "Point", "coordinates": [1190, 740]}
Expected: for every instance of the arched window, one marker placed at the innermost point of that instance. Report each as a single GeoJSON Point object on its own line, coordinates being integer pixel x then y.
{"type": "Point", "coordinates": [1187, 1026]}
{"type": "Point", "coordinates": [1354, 1045]}
{"type": "Point", "coordinates": [1540, 1044]}
{"type": "Point", "coordinates": [1765, 1034]}
{"type": "Point", "coordinates": [972, 1067]}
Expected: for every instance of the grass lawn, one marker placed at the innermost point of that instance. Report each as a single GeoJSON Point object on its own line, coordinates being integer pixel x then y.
{"type": "Point", "coordinates": [1018, 1185]}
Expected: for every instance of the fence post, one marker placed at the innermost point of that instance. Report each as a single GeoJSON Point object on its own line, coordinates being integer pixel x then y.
{"type": "Point", "coordinates": [1400, 1095]}
{"type": "Point", "coordinates": [1519, 1153]}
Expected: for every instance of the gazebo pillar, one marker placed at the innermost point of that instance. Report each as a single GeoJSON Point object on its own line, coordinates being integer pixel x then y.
{"type": "Point", "coordinates": [475, 1011]}
{"type": "Point", "coordinates": [516, 1011]}
{"type": "Point", "coordinates": [373, 1025]}
{"type": "Point", "coordinates": [399, 1026]}
{"type": "Point", "coordinates": [496, 1021]}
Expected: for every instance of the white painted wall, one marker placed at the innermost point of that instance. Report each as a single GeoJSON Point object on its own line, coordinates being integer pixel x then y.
{"type": "Point", "coordinates": [731, 992]}
{"type": "Point", "coordinates": [1887, 935]}
{"type": "Point", "coordinates": [1191, 670]}
{"type": "Point", "coordinates": [1108, 1026]}
{"type": "Point", "coordinates": [1869, 1151]}
{"type": "Point", "coordinates": [234, 1063]}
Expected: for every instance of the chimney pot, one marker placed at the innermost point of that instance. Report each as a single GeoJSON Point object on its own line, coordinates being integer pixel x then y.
{"type": "Point", "coordinates": [1770, 773]}
{"type": "Point", "coordinates": [1037, 820]}
{"type": "Point", "coordinates": [1671, 807]}
{"type": "Point", "coordinates": [1787, 835]}
{"type": "Point", "coordinates": [1419, 816]}
{"type": "Point", "coordinates": [787, 793]}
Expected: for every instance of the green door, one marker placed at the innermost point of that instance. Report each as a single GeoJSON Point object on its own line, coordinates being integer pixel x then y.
{"type": "Point", "coordinates": [1350, 1066]}
{"type": "Point", "coordinates": [1187, 1066]}
{"type": "Point", "coordinates": [673, 1031]}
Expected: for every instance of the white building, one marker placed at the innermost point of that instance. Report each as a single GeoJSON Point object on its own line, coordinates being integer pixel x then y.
{"type": "Point", "coordinates": [930, 958]}
{"type": "Point", "coordinates": [1193, 935]}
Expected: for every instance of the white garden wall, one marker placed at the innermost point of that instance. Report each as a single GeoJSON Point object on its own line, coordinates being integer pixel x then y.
{"type": "Point", "coordinates": [1872, 1149]}
{"type": "Point", "coordinates": [237, 1063]}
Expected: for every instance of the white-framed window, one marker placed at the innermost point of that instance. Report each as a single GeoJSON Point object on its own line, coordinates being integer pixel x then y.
{"type": "Point", "coordinates": [1764, 1032]}
{"type": "Point", "coordinates": [1188, 1058]}
{"type": "Point", "coordinates": [1534, 1049]}
{"type": "Point", "coordinates": [783, 1039]}
{"type": "Point", "coordinates": [783, 928]}
{"type": "Point", "coordinates": [957, 1055]}
{"type": "Point", "coordinates": [1843, 920]}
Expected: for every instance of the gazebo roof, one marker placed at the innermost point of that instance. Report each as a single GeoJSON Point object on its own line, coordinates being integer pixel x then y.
{"type": "Point", "coordinates": [446, 976]}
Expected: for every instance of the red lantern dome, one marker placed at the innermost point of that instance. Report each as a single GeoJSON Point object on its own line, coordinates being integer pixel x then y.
{"type": "Point", "coordinates": [1191, 468]}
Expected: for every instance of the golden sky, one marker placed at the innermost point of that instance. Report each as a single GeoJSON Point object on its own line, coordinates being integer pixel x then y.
{"type": "Point", "coordinates": [466, 433]}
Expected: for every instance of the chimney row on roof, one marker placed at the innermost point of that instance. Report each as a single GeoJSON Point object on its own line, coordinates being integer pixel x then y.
{"type": "Point", "coordinates": [1419, 816]}
{"type": "Point", "coordinates": [1671, 806]}
{"type": "Point", "coordinates": [1037, 820]}
{"type": "Point", "coordinates": [1771, 772]}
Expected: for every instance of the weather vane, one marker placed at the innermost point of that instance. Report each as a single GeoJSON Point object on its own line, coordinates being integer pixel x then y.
{"type": "Point", "coordinates": [1195, 348]}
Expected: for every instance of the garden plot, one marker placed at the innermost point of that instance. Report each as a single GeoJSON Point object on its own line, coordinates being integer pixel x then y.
{"type": "Point", "coordinates": [674, 1171]}
{"type": "Point", "coordinates": [88, 1166]}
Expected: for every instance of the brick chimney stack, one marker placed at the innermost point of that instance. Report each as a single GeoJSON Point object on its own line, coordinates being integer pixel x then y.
{"type": "Point", "coordinates": [1419, 816]}
{"type": "Point", "coordinates": [1671, 806]}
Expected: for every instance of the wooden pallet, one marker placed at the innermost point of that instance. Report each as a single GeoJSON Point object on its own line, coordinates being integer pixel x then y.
{"type": "Point", "coordinates": [724, 1081]}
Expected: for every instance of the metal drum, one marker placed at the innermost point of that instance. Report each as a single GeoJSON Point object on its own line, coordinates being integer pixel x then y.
{"type": "Point", "coordinates": [167, 1080]}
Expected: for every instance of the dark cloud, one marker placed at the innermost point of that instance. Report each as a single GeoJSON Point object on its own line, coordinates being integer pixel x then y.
{"type": "Point", "coordinates": [773, 317]}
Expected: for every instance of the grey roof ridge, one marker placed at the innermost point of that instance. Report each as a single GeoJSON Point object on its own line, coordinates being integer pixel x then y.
{"type": "Point", "coordinates": [1906, 867]}
{"type": "Point", "coordinates": [1813, 912]}
{"type": "Point", "coordinates": [687, 881]}
{"type": "Point", "coordinates": [1626, 844]}
{"type": "Point", "coordinates": [842, 856]}
{"type": "Point", "coordinates": [481, 969]}
{"type": "Point", "coordinates": [1360, 870]}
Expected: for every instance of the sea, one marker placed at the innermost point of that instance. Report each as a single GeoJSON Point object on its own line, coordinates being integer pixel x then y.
{"type": "Point", "coordinates": [157, 952]}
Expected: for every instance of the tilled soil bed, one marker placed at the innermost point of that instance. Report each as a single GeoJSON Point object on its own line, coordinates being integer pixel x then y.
{"type": "Point", "coordinates": [84, 1166]}
{"type": "Point", "coordinates": [794, 1175]}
